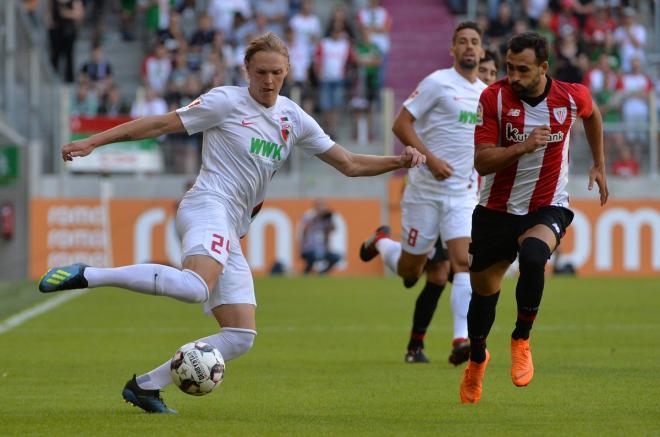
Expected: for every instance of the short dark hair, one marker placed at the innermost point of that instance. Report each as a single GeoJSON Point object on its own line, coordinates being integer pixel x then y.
{"type": "Point", "coordinates": [530, 40]}
{"type": "Point", "coordinates": [490, 55]}
{"type": "Point", "coordinates": [466, 25]}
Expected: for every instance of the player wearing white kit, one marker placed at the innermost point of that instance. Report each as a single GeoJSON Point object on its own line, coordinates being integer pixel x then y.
{"type": "Point", "coordinates": [439, 119]}
{"type": "Point", "coordinates": [248, 134]}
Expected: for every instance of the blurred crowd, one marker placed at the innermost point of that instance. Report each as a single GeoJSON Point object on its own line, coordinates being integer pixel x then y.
{"type": "Point", "coordinates": [338, 64]}
{"type": "Point", "coordinates": [599, 43]}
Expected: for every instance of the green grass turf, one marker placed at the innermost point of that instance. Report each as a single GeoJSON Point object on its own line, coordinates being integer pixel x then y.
{"type": "Point", "coordinates": [328, 360]}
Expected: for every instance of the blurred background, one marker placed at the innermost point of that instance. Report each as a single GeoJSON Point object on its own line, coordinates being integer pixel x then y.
{"type": "Point", "coordinates": [71, 68]}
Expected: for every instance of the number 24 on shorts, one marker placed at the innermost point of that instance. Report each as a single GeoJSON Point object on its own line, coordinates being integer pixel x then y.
{"type": "Point", "coordinates": [218, 243]}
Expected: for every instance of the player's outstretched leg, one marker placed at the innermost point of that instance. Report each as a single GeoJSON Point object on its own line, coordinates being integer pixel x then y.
{"type": "Point", "coordinates": [472, 382]}
{"type": "Point", "coordinates": [368, 249]}
{"type": "Point", "coordinates": [149, 400]}
{"type": "Point", "coordinates": [63, 278]}
{"type": "Point", "coordinates": [522, 366]}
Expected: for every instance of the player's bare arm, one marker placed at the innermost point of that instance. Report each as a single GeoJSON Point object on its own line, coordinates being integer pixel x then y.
{"type": "Point", "coordinates": [593, 128]}
{"type": "Point", "coordinates": [353, 164]}
{"type": "Point", "coordinates": [488, 158]}
{"type": "Point", "coordinates": [404, 129]}
{"type": "Point", "coordinates": [146, 127]}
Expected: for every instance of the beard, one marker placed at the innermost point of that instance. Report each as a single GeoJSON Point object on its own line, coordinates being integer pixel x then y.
{"type": "Point", "coordinates": [468, 64]}
{"type": "Point", "coordinates": [526, 91]}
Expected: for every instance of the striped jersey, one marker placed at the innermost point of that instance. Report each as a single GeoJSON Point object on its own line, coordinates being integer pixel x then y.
{"type": "Point", "coordinates": [539, 178]}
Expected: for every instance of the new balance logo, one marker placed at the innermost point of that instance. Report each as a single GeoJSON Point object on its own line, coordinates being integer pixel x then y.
{"type": "Point", "coordinates": [247, 123]}
{"type": "Point", "coordinates": [556, 227]}
{"type": "Point", "coordinates": [513, 112]}
{"type": "Point", "coordinates": [266, 149]}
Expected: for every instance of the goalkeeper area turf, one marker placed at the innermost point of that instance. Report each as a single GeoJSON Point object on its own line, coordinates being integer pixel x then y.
{"type": "Point", "coordinates": [328, 360]}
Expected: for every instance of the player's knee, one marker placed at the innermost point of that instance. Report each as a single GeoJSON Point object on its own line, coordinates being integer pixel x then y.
{"type": "Point", "coordinates": [533, 254]}
{"type": "Point", "coordinates": [239, 340]}
{"type": "Point", "coordinates": [409, 272]}
{"type": "Point", "coordinates": [196, 285]}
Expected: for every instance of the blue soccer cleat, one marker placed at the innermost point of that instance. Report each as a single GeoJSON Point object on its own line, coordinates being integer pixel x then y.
{"type": "Point", "coordinates": [149, 400]}
{"type": "Point", "coordinates": [63, 278]}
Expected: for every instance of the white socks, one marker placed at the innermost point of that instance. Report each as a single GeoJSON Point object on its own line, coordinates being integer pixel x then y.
{"type": "Point", "coordinates": [231, 342]}
{"type": "Point", "coordinates": [390, 251]}
{"type": "Point", "coordinates": [155, 279]}
{"type": "Point", "coordinates": [461, 293]}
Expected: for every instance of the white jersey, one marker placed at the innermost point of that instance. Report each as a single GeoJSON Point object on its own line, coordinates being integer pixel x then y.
{"type": "Point", "coordinates": [445, 109]}
{"type": "Point", "coordinates": [244, 145]}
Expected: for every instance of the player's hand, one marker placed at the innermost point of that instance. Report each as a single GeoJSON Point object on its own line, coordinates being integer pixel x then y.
{"type": "Point", "coordinates": [411, 157]}
{"type": "Point", "coordinates": [76, 149]}
{"type": "Point", "coordinates": [597, 174]}
{"type": "Point", "coordinates": [540, 136]}
{"type": "Point", "coordinates": [440, 169]}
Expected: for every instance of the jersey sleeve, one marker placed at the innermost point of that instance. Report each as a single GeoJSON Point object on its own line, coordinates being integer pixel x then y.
{"type": "Point", "coordinates": [487, 130]}
{"type": "Point", "coordinates": [206, 111]}
{"type": "Point", "coordinates": [582, 97]}
{"type": "Point", "coordinates": [311, 138]}
{"type": "Point", "coordinates": [423, 98]}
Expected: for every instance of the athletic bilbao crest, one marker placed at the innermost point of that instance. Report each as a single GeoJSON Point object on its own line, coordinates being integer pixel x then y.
{"type": "Point", "coordinates": [285, 128]}
{"type": "Point", "coordinates": [560, 114]}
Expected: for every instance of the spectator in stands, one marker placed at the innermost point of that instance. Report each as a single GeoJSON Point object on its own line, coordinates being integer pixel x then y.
{"type": "Point", "coordinates": [565, 22]}
{"type": "Point", "coordinates": [634, 88]}
{"type": "Point", "coordinates": [254, 27]}
{"type": "Point", "coordinates": [316, 227]}
{"type": "Point", "coordinates": [571, 60]}
{"type": "Point", "coordinates": [378, 22]}
{"type": "Point", "coordinates": [501, 27]}
{"type": "Point", "coordinates": [625, 165]}
{"type": "Point", "coordinates": [62, 18]}
{"type": "Point", "coordinates": [301, 63]}
{"type": "Point", "coordinates": [544, 28]}
{"type": "Point", "coordinates": [112, 105]}
{"type": "Point", "coordinates": [534, 9]}
{"type": "Point", "coordinates": [31, 8]}
{"type": "Point", "coordinates": [84, 102]}
{"type": "Point", "coordinates": [202, 38]}
{"type": "Point", "coordinates": [172, 36]}
{"type": "Point", "coordinates": [97, 70]}
{"type": "Point", "coordinates": [598, 26]}
{"type": "Point", "coordinates": [367, 59]}
{"type": "Point", "coordinates": [128, 12]}
{"type": "Point", "coordinates": [223, 13]}
{"type": "Point", "coordinates": [157, 69]}
{"type": "Point", "coordinates": [148, 103]}
{"type": "Point", "coordinates": [631, 37]}
{"type": "Point", "coordinates": [213, 70]}
{"type": "Point", "coordinates": [306, 26]}
{"type": "Point", "coordinates": [156, 17]}
{"type": "Point", "coordinates": [339, 20]}
{"type": "Point", "coordinates": [177, 80]}
{"type": "Point", "coordinates": [331, 61]}
{"type": "Point", "coordinates": [275, 12]}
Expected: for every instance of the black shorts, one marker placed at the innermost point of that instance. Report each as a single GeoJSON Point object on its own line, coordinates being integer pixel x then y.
{"type": "Point", "coordinates": [495, 233]}
{"type": "Point", "coordinates": [441, 253]}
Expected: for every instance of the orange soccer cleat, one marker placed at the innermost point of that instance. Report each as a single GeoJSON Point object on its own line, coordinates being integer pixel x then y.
{"type": "Point", "coordinates": [522, 367]}
{"type": "Point", "coordinates": [472, 382]}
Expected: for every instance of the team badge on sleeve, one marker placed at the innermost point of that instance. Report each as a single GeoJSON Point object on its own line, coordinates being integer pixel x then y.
{"type": "Point", "coordinates": [197, 101]}
{"type": "Point", "coordinates": [480, 115]}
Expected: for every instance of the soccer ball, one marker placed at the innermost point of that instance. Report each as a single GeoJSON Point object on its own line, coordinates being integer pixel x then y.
{"type": "Point", "coordinates": [197, 368]}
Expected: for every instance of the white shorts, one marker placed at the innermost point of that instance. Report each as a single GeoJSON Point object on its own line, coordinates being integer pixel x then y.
{"type": "Point", "coordinates": [205, 228]}
{"type": "Point", "coordinates": [422, 220]}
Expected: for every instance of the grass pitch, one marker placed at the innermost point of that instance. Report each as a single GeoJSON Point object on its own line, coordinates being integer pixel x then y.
{"type": "Point", "coordinates": [328, 360]}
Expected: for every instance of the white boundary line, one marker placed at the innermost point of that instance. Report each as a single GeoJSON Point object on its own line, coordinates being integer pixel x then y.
{"type": "Point", "coordinates": [25, 315]}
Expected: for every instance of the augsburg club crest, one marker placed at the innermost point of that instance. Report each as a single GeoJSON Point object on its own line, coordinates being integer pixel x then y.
{"type": "Point", "coordinates": [285, 127]}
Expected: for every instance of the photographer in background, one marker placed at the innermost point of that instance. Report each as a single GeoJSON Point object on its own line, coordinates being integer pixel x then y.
{"type": "Point", "coordinates": [317, 225]}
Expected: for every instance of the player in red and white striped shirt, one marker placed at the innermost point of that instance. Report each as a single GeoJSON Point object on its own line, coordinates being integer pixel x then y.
{"type": "Point", "coordinates": [521, 149]}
